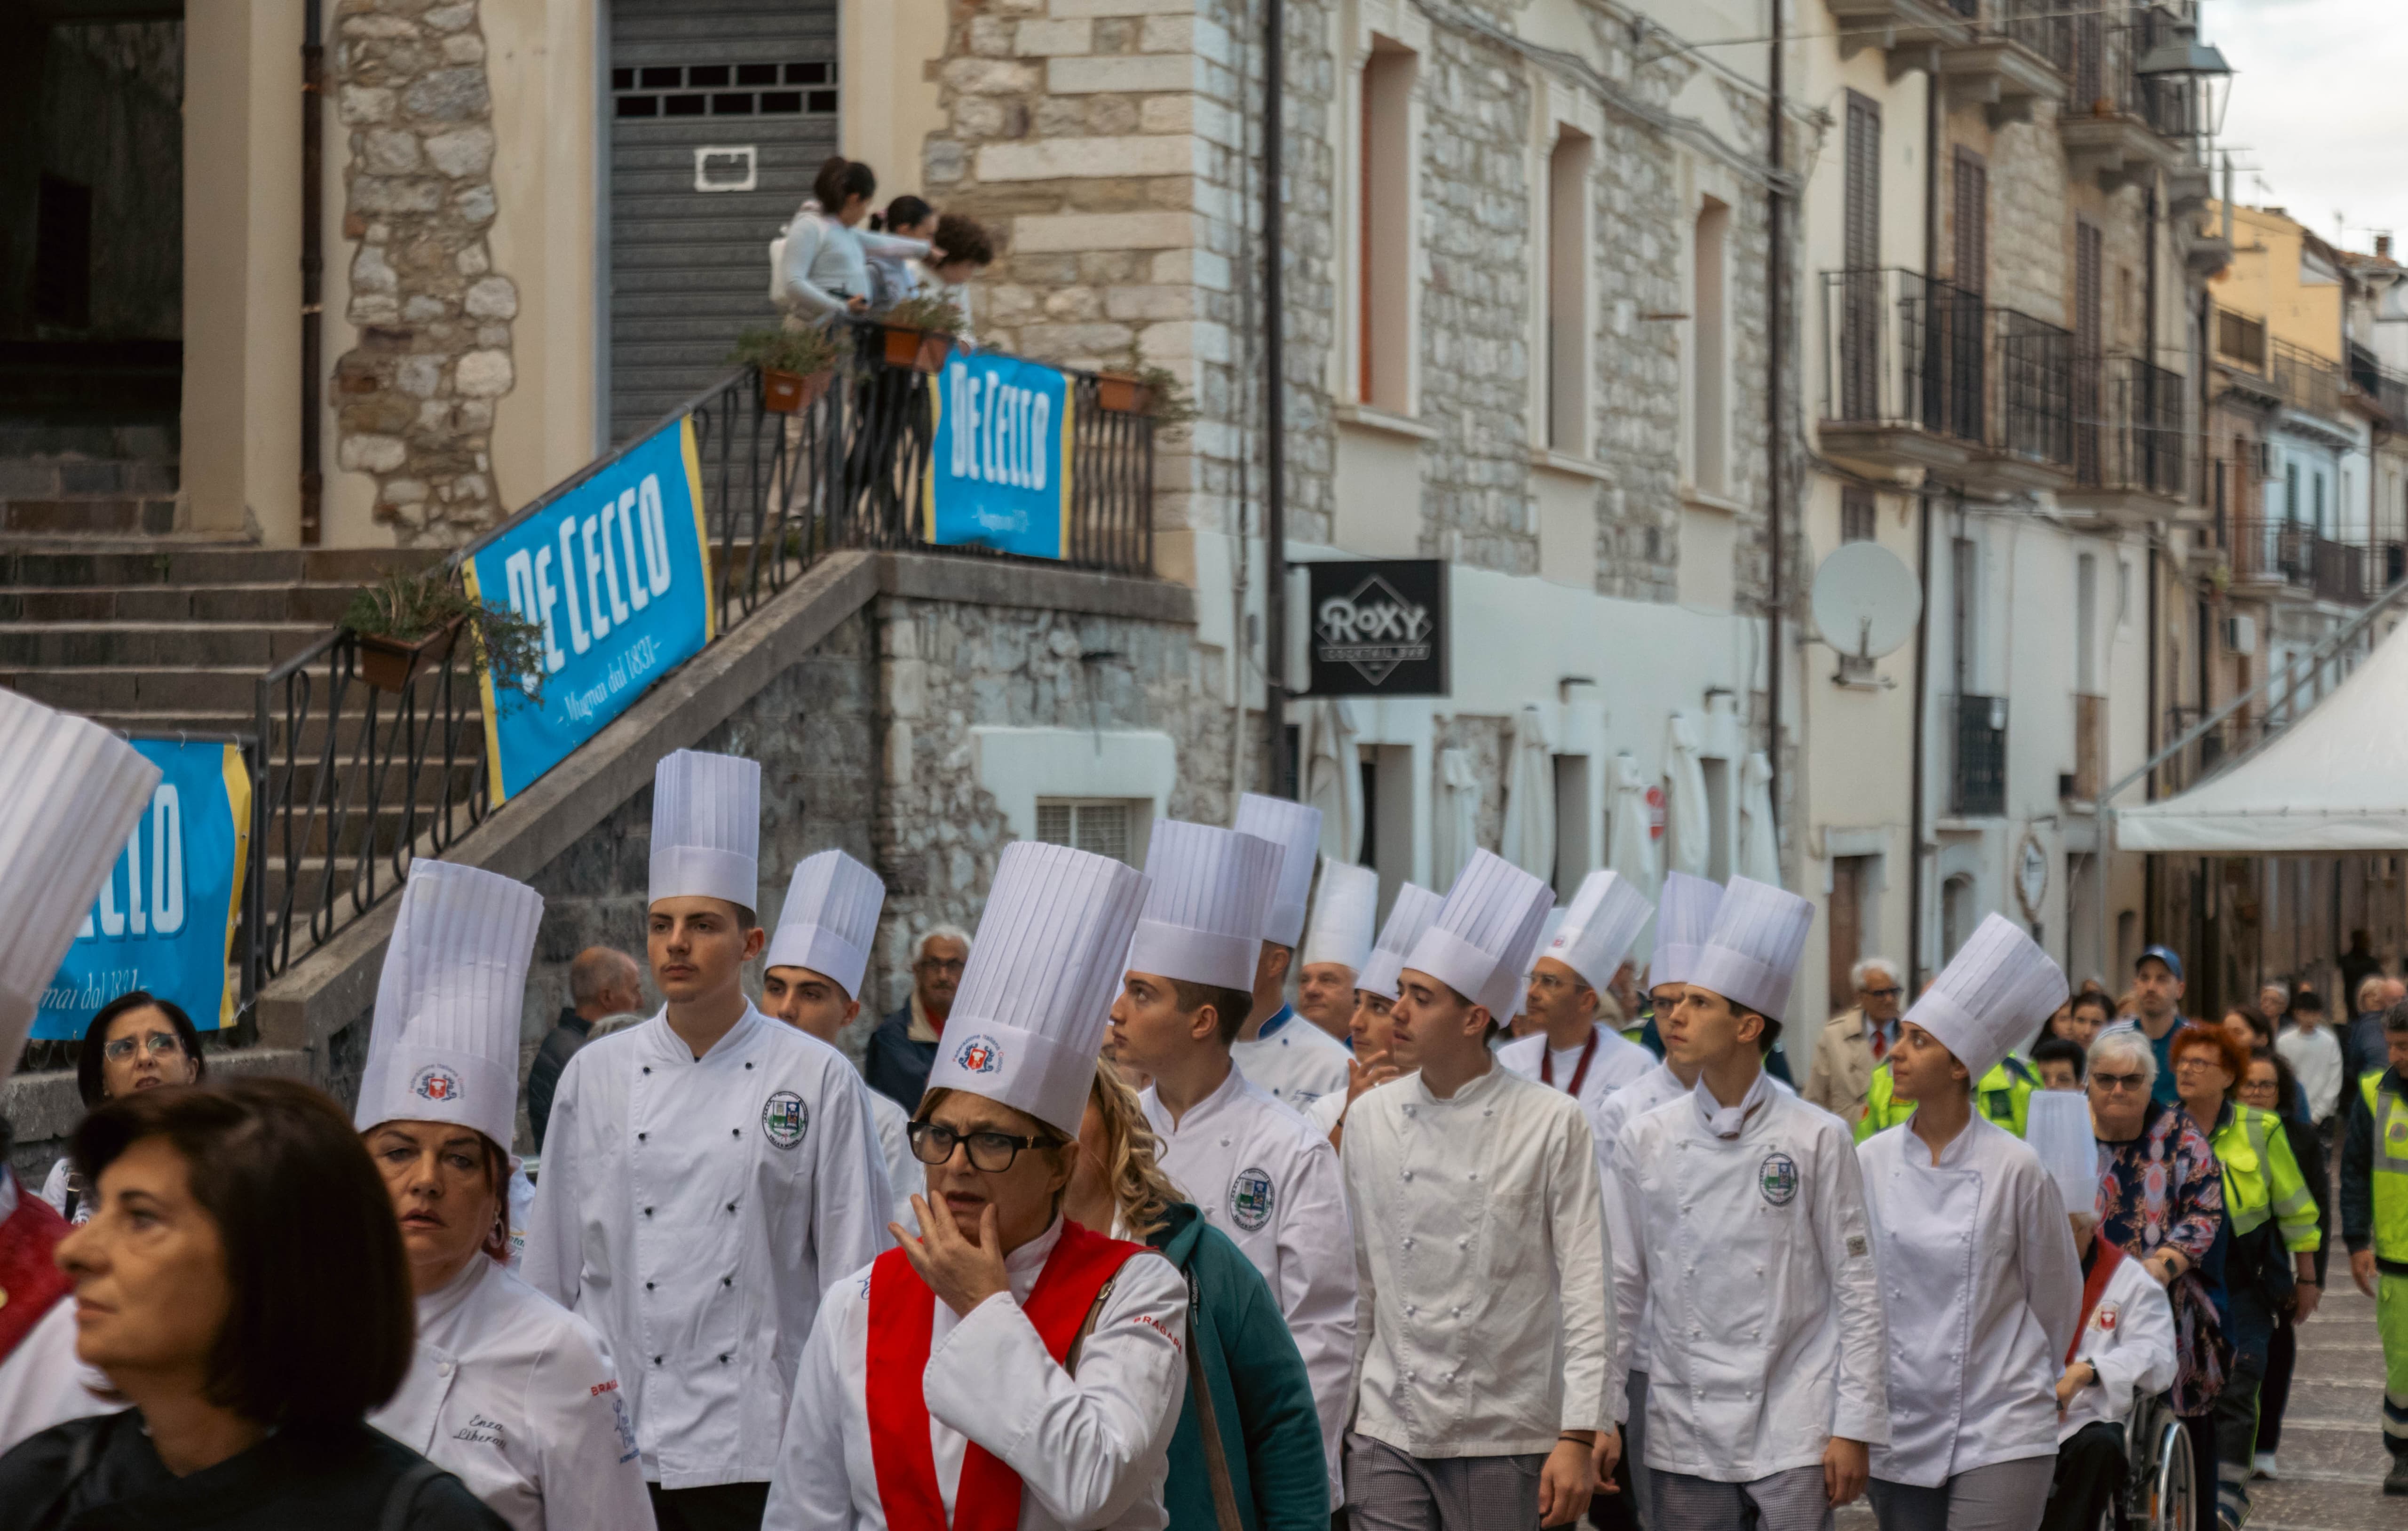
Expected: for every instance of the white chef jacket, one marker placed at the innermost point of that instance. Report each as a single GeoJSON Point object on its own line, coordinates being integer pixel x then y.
{"type": "Point", "coordinates": [1480, 1322]}
{"type": "Point", "coordinates": [904, 1175]}
{"type": "Point", "coordinates": [1325, 1111]}
{"type": "Point", "coordinates": [1981, 1290]}
{"type": "Point", "coordinates": [41, 1381]}
{"type": "Point", "coordinates": [1268, 1177]}
{"type": "Point", "coordinates": [1292, 1060]}
{"type": "Point", "coordinates": [54, 1191]}
{"type": "Point", "coordinates": [1092, 1450]}
{"type": "Point", "coordinates": [515, 1397]}
{"type": "Point", "coordinates": [1618, 1061]}
{"type": "Point", "coordinates": [1752, 1262]}
{"type": "Point", "coordinates": [689, 1210]}
{"type": "Point", "coordinates": [2129, 1336]}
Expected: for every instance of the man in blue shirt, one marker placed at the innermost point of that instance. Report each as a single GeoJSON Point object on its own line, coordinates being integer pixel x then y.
{"type": "Point", "coordinates": [2157, 1013]}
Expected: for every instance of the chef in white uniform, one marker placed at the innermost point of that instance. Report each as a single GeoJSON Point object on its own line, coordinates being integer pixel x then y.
{"type": "Point", "coordinates": [1336, 943]}
{"type": "Point", "coordinates": [508, 1391]}
{"type": "Point", "coordinates": [1980, 1284]}
{"type": "Point", "coordinates": [1372, 1027]}
{"type": "Point", "coordinates": [1572, 1050]}
{"type": "Point", "coordinates": [812, 980]}
{"type": "Point", "coordinates": [1260, 1171]}
{"type": "Point", "coordinates": [933, 1392]}
{"type": "Point", "coordinates": [705, 1172]}
{"type": "Point", "coordinates": [2124, 1341]}
{"type": "Point", "coordinates": [70, 794]}
{"type": "Point", "coordinates": [1751, 1259]}
{"type": "Point", "coordinates": [1297, 1063]}
{"type": "Point", "coordinates": [1484, 1337]}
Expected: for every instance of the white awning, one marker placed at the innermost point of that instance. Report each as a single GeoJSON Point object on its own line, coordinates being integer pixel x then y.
{"type": "Point", "coordinates": [2335, 780]}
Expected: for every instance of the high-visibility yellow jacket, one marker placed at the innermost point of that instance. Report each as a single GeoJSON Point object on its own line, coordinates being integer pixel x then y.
{"type": "Point", "coordinates": [2003, 1096]}
{"type": "Point", "coordinates": [2263, 1179]}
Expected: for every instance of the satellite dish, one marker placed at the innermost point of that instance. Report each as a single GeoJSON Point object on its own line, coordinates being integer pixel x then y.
{"type": "Point", "coordinates": [1866, 600]}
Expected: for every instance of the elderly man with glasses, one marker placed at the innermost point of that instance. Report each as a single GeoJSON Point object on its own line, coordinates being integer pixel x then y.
{"type": "Point", "coordinates": [903, 1048]}
{"type": "Point", "coordinates": [1856, 1039]}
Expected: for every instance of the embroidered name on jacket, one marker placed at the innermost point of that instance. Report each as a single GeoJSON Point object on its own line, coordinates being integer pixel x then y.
{"type": "Point", "coordinates": [784, 1119]}
{"type": "Point", "coordinates": [1777, 1177]}
{"type": "Point", "coordinates": [1250, 1199]}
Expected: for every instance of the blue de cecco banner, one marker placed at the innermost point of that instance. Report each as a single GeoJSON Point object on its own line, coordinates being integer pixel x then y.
{"type": "Point", "coordinates": [165, 919]}
{"type": "Point", "coordinates": [1000, 474]}
{"type": "Point", "coordinates": [617, 572]}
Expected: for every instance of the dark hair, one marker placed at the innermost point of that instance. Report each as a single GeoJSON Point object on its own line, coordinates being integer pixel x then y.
{"type": "Point", "coordinates": [2287, 1084]}
{"type": "Point", "coordinates": [960, 237]}
{"type": "Point", "coordinates": [2055, 1049]}
{"type": "Point", "coordinates": [96, 1037]}
{"type": "Point", "coordinates": [2190, 1036]}
{"type": "Point", "coordinates": [2255, 1022]}
{"type": "Point", "coordinates": [2308, 1000]}
{"type": "Point", "coordinates": [1232, 1006]}
{"type": "Point", "coordinates": [839, 178]}
{"type": "Point", "coordinates": [904, 212]}
{"type": "Point", "coordinates": [2098, 1000]}
{"type": "Point", "coordinates": [2395, 1019]}
{"type": "Point", "coordinates": [322, 1321]}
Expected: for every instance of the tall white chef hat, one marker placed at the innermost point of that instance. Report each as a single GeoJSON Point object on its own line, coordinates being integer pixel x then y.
{"type": "Point", "coordinates": [1408, 917]}
{"type": "Point", "coordinates": [445, 1043]}
{"type": "Point", "coordinates": [707, 828]}
{"type": "Point", "coordinates": [1603, 919]}
{"type": "Point", "coordinates": [1684, 917]}
{"type": "Point", "coordinates": [1751, 956]}
{"type": "Point", "coordinates": [1992, 993]}
{"type": "Point", "coordinates": [1344, 910]}
{"type": "Point", "coordinates": [1484, 933]}
{"type": "Point", "coordinates": [70, 793]}
{"type": "Point", "coordinates": [829, 919]}
{"type": "Point", "coordinates": [2058, 1130]}
{"type": "Point", "coordinates": [1037, 992]}
{"type": "Point", "coordinates": [1296, 829]}
{"type": "Point", "coordinates": [1203, 916]}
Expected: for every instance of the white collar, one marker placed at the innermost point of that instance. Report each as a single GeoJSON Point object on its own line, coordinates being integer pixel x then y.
{"type": "Point", "coordinates": [1023, 1266]}
{"type": "Point", "coordinates": [446, 1300]}
{"type": "Point", "coordinates": [1728, 1121]}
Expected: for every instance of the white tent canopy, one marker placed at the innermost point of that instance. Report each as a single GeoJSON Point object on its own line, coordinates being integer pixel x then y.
{"type": "Point", "coordinates": [2335, 780]}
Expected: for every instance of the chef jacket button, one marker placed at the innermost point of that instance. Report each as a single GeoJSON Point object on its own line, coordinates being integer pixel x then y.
{"type": "Point", "coordinates": [1225, 1142]}
{"type": "Point", "coordinates": [642, 1137]}
{"type": "Point", "coordinates": [735, 1132]}
{"type": "Point", "coordinates": [1409, 1174]}
{"type": "Point", "coordinates": [1464, 1242]}
{"type": "Point", "coordinates": [1409, 1243]}
{"type": "Point", "coordinates": [1458, 1312]}
{"type": "Point", "coordinates": [722, 1360]}
{"type": "Point", "coordinates": [1410, 1311]}
{"type": "Point", "coordinates": [727, 1281]}
{"type": "Point", "coordinates": [656, 1360]}
{"type": "Point", "coordinates": [648, 1211]}
{"type": "Point", "coordinates": [731, 1206]}
{"type": "Point", "coordinates": [1474, 1175]}
{"type": "Point", "coordinates": [647, 1286]}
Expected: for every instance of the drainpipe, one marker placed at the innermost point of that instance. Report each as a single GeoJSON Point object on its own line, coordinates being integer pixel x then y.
{"type": "Point", "coordinates": [313, 154]}
{"type": "Point", "coordinates": [1776, 352]}
{"type": "Point", "coordinates": [1922, 567]}
{"type": "Point", "coordinates": [1274, 413]}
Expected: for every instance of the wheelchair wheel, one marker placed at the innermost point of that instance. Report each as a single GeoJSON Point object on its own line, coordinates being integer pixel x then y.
{"type": "Point", "coordinates": [2173, 1487]}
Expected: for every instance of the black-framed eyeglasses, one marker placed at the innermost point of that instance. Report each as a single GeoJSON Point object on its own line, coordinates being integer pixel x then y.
{"type": "Point", "coordinates": [163, 1044]}
{"type": "Point", "coordinates": [2111, 1084]}
{"type": "Point", "coordinates": [990, 1152]}
{"type": "Point", "coordinates": [1890, 992]}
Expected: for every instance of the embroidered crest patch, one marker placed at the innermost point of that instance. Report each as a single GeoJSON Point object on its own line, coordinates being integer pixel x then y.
{"type": "Point", "coordinates": [1250, 1199]}
{"type": "Point", "coordinates": [978, 1055]}
{"type": "Point", "coordinates": [1777, 1177]}
{"type": "Point", "coordinates": [436, 1083]}
{"type": "Point", "coordinates": [2109, 1314]}
{"type": "Point", "coordinates": [784, 1118]}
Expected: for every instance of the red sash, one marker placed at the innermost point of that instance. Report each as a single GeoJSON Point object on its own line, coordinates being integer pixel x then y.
{"type": "Point", "coordinates": [902, 1319]}
{"type": "Point", "coordinates": [30, 1280]}
{"type": "Point", "coordinates": [2094, 1286]}
{"type": "Point", "coordinates": [1580, 1075]}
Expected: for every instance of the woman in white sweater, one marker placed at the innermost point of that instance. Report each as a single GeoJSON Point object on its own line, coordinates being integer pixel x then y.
{"type": "Point", "coordinates": [827, 264]}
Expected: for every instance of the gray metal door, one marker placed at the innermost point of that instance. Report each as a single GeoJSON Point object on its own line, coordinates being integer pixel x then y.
{"type": "Point", "coordinates": [720, 113]}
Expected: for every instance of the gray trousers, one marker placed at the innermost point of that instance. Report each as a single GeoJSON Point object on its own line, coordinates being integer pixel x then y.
{"type": "Point", "coordinates": [1785, 1501]}
{"type": "Point", "coordinates": [1634, 1449]}
{"type": "Point", "coordinates": [1389, 1491]}
{"type": "Point", "coordinates": [2002, 1497]}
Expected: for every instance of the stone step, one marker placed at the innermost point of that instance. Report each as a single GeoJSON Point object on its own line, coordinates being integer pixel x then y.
{"type": "Point", "coordinates": [66, 477]}
{"type": "Point", "coordinates": [48, 644]}
{"type": "Point", "coordinates": [320, 606]}
{"type": "Point", "coordinates": [94, 514]}
{"type": "Point", "coordinates": [138, 689]}
{"type": "Point", "coordinates": [67, 564]}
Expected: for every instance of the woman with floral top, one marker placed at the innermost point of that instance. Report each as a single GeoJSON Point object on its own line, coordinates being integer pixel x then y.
{"type": "Point", "coordinates": [2161, 1201]}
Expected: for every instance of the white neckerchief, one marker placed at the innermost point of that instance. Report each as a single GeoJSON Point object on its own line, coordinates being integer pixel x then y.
{"type": "Point", "coordinates": [1728, 1121]}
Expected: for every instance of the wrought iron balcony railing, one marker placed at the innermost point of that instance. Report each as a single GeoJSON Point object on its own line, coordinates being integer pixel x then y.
{"type": "Point", "coordinates": [2129, 431]}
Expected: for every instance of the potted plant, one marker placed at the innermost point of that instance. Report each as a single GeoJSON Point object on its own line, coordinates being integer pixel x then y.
{"type": "Point", "coordinates": [1121, 393]}
{"type": "Point", "coordinates": [919, 331]}
{"type": "Point", "coordinates": [795, 365]}
{"type": "Point", "coordinates": [404, 620]}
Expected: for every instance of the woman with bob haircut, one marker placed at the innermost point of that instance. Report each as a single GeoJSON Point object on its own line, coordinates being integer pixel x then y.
{"type": "Point", "coordinates": [508, 1390]}
{"type": "Point", "coordinates": [138, 1042]}
{"type": "Point", "coordinates": [1005, 1365]}
{"type": "Point", "coordinates": [249, 1355]}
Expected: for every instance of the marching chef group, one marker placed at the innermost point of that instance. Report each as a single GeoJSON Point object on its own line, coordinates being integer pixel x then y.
{"type": "Point", "coordinates": [1513, 1278]}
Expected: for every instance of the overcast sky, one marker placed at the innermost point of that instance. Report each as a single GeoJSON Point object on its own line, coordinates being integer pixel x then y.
{"type": "Point", "coordinates": [2319, 110]}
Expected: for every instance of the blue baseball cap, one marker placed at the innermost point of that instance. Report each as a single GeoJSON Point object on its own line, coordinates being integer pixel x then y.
{"type": "Point", "coordinates": [2164, 954]}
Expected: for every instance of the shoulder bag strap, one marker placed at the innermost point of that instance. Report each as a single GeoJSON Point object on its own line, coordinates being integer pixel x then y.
{"type": "Point", "coordinates": [403, 1497]}
{"type": "Point", "coordinates": [1087, 1325]}
{"type": "Point", "coordinates": [1199, 1387]}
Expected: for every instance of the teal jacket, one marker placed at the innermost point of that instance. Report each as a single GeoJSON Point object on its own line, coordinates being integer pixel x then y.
{"type": "Point", "coordinates": [1262, 1401]}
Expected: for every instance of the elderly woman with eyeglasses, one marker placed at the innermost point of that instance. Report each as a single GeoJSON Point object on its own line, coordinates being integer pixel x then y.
{"type": "Point", "coordinates": [2161, 1201]}
{"type": "Point", "coordinates": [136, 1043]}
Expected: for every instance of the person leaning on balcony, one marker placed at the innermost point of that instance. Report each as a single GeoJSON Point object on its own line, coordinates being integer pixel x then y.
{"type": "Point", "coordinates": [826, 263]}
{"type": "Point", "coordinates": [961, 250]}
{"type": "Point", "coordinates": [1856, 1039]}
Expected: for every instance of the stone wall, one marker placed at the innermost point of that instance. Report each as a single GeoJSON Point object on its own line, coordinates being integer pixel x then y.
{"type": "Point", "coordinates": [414, 399]}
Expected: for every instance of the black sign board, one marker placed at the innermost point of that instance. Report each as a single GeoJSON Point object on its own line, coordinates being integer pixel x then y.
{"type": "Point", "coordinates": [1377, 627]}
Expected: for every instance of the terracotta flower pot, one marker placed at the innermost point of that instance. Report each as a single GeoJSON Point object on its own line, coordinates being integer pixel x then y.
{"type": "Point", "coordinates": [388, 663]}
{"type": "Point", "coordinates": [792, 393]}
{"type": "Point", "coordinates": [1120, 393]}
{"type": "Point", "coordinates": [933, 350]}
{"type": "Point", "coordinates": [902, 345]}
